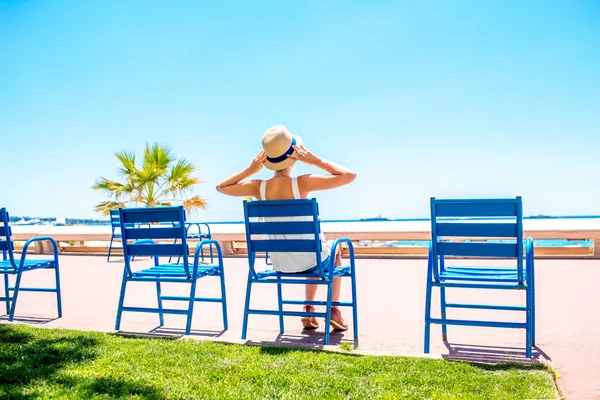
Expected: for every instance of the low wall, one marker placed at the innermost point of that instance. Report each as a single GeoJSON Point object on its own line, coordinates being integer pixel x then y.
{"type": "Point", "coordinates": [231, 237]}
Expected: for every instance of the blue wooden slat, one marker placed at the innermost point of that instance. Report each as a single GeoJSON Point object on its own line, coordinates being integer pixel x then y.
{"type": "Point", "coordinates": [289, 227]}
{"type": "Point", "coordinates": [156, 249]}
{"type": "Point", "coordinates": [4, 245]}
{"type": "Point", "coordinates": [290, 246]}
{"type": "Point", "coordinates": [3, 231]}
{"type": "Point", "coordinates": [477, 249]}
{"type": "Point", "coordinates": [508, 209]}
{"type": "Point", "coordinates": [153, 233]}
{"type": "Point", "coordinates": [156, 214]}
{"type": "Point", "coordinates": [467, 229]}
{"type": "Point", "coordinates": [280, 210]}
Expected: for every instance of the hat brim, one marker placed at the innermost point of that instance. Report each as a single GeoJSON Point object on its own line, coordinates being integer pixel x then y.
{"type": "Point", "coordinates": [285, 163]}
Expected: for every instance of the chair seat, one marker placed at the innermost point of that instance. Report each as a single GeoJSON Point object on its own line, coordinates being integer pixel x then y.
{"type": "Point", "coordinates": [176, 271]}
{"type": "Point", "coordinates": [481, 274]}
{"type": "Point", "coordinates": [270, 273]}
{"type": "Point", "coordinates": [6, 266]}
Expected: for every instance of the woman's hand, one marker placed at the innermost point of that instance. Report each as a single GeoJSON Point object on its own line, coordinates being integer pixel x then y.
{"type": "Point", "coordinates": [256, 164]}
{"type": "Point", "coordinates": [300, 153]}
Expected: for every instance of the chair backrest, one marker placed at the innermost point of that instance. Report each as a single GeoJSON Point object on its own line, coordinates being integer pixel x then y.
{"type": "Point", "coordinates": [267, 220]}
{"type": "Point", "coordinates": [478, 228]}
{"type": "Point", "coordinates": [6, 244]}
{"type": "Point", "coordinates": [140, 225]}
{"type": "Point", "coordinates": [115, 221]}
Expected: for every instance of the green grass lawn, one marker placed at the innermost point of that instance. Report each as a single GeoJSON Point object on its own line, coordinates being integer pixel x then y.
{"type": "Point", "coordinates": [43, 363]}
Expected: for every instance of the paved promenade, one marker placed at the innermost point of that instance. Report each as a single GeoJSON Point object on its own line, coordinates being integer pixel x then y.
{"type": "Point", "coordinates": [391, 296]}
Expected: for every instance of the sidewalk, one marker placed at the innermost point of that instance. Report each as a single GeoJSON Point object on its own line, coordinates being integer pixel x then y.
{"type": "Point", "coordinates": [391, 296]}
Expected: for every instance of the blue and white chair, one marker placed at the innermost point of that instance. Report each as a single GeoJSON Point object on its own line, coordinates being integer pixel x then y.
{"type": "Point", "coordinates": [14, 266]}
{"type": "Point", "coordinates": [482, 229]}
{"type": "Point", "coordinates": [260, 225]}
{"type": "Point", "coordinates": [166, 225]}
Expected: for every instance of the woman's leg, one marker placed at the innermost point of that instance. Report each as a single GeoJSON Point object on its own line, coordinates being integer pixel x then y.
{"type": "Point", "coordinates": [310, 291]}
{"type": "Point", "coordinates": [337, 322]}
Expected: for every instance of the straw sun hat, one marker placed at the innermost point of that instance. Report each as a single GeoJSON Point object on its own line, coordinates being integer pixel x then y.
{"type": "Point", "coordinates": [277, 143]}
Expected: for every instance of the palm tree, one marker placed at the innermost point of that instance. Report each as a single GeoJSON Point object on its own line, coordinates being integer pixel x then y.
{"type": "Point", "coordinates": [160, 180]}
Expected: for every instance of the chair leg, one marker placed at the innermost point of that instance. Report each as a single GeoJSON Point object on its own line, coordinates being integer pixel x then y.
{"type": "Point", "coordinates": [6, 293]}
{"type": "Point", "coordinates": [188, 325]}
{"type": "Point", "coordinates": [532, 289]}
{"type": "Point", "coordinates": [109, 249]}
{"type": "Point", "coordinates": [161, 319]}
{"type": "Point", "coordinates": [11, 315]}
{"type": "Point", "coordinates": [280, 303]}
{"type": "Point", "coordinates": [246, 308]}
{"type": "Point", "coordinates": [354, 303]}
{"type": "Point", "coordinates": [528, 330]}
{"type": "Point", "coordinates": [328, 312]}
{"type": "Point", "coordinates": [224, 299]}
{"type": "Point", "coordinates": [427, 316]}
{"type": "Point", "coordinates": [443, 311]}
{"type": "Point", "coordinates": [170, 257]}
{"type": "Point", "coordinates": [58, 295]}
{"type": "Point", "coordinates": [121, 300]}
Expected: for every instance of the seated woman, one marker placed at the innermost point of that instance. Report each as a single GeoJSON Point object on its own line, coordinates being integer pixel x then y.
{"type": "Point", "coordinates": [281, 151]}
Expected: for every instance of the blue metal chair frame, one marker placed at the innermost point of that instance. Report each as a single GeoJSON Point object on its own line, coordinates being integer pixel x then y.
{"type": "Point", "coordinates": [114, 224]}
{"type": "Point", "coordinates": [10, 265]}
{"type": "Point", "coordinates": [198, 236]}
{"type": "Point", "coordinates": [453, 219]}
{"type": "Point", "coordinates": [168, 224]}
{"type": "Point", "coordinates": [257, 230]}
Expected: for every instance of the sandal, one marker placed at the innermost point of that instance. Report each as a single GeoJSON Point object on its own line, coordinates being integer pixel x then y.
{"type": "Point", "coordinates": [337, 322]}
{"type": "Point", "coordinates": [309, 322]}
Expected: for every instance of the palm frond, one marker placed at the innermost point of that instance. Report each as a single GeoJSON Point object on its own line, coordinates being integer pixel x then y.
{"type": "Point", "coordinates": [195, 203]}
{"type": "Point", "coordinates": [158, 157]}
{"type": "Point", "coordinates": [127, 167]}
{"type": "Point", "coordinates": [111, 188]}
{"type": "Point", "coordinates": [105, 207]}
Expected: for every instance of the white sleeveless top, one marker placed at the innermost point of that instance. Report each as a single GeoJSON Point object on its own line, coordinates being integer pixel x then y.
{"type": "Point", "coordinates": [294, 262]}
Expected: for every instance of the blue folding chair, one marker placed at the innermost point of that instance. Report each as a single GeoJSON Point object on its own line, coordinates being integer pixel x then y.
{"type": "Point", "coordinates": [458, 230]}
{"type": "Point", "coordinates": [167, 224]}
{"type": "Point", "coordinates": [10, 265]}
{"type": "Point", "coordinates": [260, 226]}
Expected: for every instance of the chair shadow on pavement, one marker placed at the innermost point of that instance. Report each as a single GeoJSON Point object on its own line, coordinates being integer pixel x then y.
{"type": "Point", "coordinates": [27, 320]}
{"type": "Point", "coordinates": [493, 354]}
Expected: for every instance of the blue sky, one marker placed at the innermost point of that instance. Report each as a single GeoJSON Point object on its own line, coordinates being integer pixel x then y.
{"type": "Point", "coordinates": [420, 98]}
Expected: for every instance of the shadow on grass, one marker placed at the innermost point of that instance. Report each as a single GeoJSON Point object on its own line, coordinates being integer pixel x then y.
{"type": "Point", "coordinates": [492, 355]}
{"type": "Point", "coordinates": [308, 340]}
{"type": "Point", "coordinates": [31, 360]}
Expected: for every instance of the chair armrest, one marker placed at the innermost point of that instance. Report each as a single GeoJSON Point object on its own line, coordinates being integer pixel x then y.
{"type": "Point", "coordinates": [38, 239]}
{"type": "Point", "coordinates": [198, 224]}
{"type": "Point", "coordinates": [334, 248]}
{"type": "Point", "coordinates": [199, 247]}
{"type": "Point", "coordinates": [529, 257]}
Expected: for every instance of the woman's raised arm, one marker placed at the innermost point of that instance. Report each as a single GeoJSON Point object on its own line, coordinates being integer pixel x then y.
{"type": "Point", "coordinates": [234, 186]}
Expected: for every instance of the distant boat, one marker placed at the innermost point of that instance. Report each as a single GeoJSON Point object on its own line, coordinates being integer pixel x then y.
{"type": "Point", "coordinates": [60, 221]}
{"type": "Point", "coordinates": [377, 218]}
{"type": "Point", "coordinates": [22, 221]}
